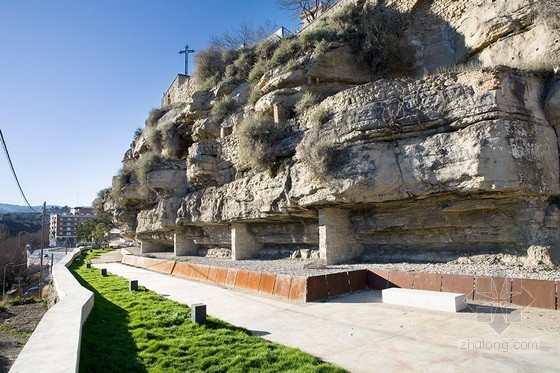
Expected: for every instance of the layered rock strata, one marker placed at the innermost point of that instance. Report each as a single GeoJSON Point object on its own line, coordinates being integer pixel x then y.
{"type": "Point", "coordinates": [426, 168]}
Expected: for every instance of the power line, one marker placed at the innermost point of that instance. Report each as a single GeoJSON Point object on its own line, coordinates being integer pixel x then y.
{"type": "Point", "coordinates": [13, 170]}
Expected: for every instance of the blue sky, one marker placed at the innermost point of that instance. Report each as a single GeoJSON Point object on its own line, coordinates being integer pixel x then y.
{"type": "Point", "coordinates": [78, 77]}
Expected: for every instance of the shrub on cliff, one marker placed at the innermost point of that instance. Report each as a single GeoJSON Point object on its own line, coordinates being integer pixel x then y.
{"type": "Point", "coordinates": [136, 172]}
{"type": "Point", "coordinates": [210, 67]}
{"type": "Point", "coordinates": [306, 100]}
{"type": "Point", "coordinates": [257, 134]}
{"type": "Point", "coordinates": [320, 153]}
{"type": "Point", "coordinates": [155, 115]}
{"type": "Point", "coordinates": [222, 108]}
{"type": "Point", "coordinates": [373, 32]}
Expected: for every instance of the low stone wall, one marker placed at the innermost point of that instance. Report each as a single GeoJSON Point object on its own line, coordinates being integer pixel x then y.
{"type": "Point", "coordinates": [54, 346]}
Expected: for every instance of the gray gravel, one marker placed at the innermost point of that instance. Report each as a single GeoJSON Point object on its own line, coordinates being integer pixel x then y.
{"type": "Point", "coordinates": [297, 267]}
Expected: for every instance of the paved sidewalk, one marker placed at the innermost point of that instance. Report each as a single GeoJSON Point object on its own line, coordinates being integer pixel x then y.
{"type": "Point", "coordinates": [362, 335]}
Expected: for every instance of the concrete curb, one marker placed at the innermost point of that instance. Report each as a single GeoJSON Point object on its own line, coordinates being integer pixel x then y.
{"type": "Point", "coordinates": [54, 346]}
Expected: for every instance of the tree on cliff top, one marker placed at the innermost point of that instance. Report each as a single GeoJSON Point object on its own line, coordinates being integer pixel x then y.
{"type": "Point", "coordinates": [245, 34]}
{"type": "Point", "coordinates": [306, 9]}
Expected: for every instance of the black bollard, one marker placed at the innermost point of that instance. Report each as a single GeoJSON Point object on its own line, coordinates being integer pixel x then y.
{"type": "Point", "coordinates": [198, 313]}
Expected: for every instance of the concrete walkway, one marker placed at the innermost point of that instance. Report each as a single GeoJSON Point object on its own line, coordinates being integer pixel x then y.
{"type": "Point", "coordinates": [362, 335]}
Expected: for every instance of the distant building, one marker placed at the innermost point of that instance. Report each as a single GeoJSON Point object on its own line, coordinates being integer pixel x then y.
{"type": "Point", "coordinates": [63, 226]}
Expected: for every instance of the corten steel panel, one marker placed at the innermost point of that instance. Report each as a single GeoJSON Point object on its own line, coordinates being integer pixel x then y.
{"type": "Point", "coordinates": [463, 284]}
{"type": "Point", "coordinates": [338, 283]}
{"type": "Point", "coordinates": [253, 281]}
{"type": "Point", "coordinates": [317, 288]}
{"type": "Point", "coordinates": [378, 279]}
{"type": "Point", "coordinates": [267, 283]}
{"type": "Point", "coordinates": [282, 286]}
{"type": "Point", "coordinates": [195, 274]}
{"type": "Point", "coordinates": [200, 272]}
{"type": "Point", "coordinates": [358, 280]}
{"type": "Point", "coordinates": [230, 278]}
{"type": "Point", "coordinates": [492, 289]}
{"type": "Point", "coordinates": [534, 293]}
{"type": "Point", "coordinates": [163, 266]}
{"type": "Point", "coordinates": [182, 269]}
{"type": "Point", "coordinates": [400, 279]}
{"type": "Point", "coordinates": [212, 273]}
{"type": "Point", "coordinates": [150, 263]}
{"type": "Point", "coordinates": [427, 281]}
{"type": "Point", "coordinates": [190, 272]}
{"type": "Point", "coordinates": [241, 280]}
{"type": "Point", "coordinates": [204, 273]}
{"type": "Point", "coordinates": [297, 288]}
{"type": "Point", "coordinates": [221, 276]}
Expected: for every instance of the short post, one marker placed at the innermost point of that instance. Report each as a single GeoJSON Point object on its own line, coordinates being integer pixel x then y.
{"type": "Point", "coordinates": [133, 285]}
{"type": "Point", "coordinates": [198, 313]}
{"type": "Point", "coordinates": [103, 271]}
{"type": "Point", "coordinates": [88, 264]}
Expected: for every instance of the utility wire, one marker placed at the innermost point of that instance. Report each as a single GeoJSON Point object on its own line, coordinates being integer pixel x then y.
{"type": "Point", "coordinates": [13, 170]}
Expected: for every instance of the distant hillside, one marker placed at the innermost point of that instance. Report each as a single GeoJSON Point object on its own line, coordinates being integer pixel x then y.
{"type": "Point", "coordinates": [6, 208]}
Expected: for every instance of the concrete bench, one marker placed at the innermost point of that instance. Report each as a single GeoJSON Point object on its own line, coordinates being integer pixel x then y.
{"type": "Point", "coordinates": [434, 300]}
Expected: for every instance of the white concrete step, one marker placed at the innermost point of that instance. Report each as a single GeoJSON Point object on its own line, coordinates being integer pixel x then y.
{"type": "Point", "coordinates": [434, 300]}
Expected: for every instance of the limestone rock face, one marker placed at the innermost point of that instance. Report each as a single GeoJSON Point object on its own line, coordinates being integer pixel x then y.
{"type": "Point", "coordinates": [515, 33]}
{"type": "Point", "coordinates": [459, 157]}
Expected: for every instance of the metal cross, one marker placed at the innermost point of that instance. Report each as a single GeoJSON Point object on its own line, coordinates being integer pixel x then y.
{"type": "Point", "coordinates": [186, 52]}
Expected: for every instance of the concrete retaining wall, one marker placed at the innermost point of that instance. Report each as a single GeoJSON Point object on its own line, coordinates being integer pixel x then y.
{"type": "Point", "coordinates": [54, 346]}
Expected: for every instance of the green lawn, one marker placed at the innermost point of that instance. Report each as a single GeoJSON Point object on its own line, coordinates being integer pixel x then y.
{"type": "Point", "coordinates": [144, 332]}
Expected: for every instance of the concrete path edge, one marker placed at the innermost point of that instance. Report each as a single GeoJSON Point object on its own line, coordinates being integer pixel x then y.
{"type": "Point", "coordinates": [55, 343]}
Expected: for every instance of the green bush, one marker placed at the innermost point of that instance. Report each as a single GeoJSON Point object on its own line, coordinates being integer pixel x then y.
{"type": "Point", "coordinates": [257, 135]}
{"type": "Point", "coordinates": [240, 68]}
{"type": "Point", "coordinates": [258, 71]}
{"type": "Point", "coordinates": [319, 116]}
{"type": "Point", "coordinates": [209, 67]}
{"type": "Point", "coordinates": [289, 49]}
{"type": "Point", "coordinates": [307, 100]}
{"type": "Point", "coordinates": [137, 133]}
{"type": "Point", "coordinates": [326, 33]}
{"type": "Point", "coordinates": [321, 48]}
{"type": "Point", "coordinates": [255, 95]}
{"type": "Point", "coordinates": [136, 171]}
{"type": "Point", "coordinates": [222, 108]}
{"type": "Point", "coordinates": [320, 153]}
{"type": "Point", "coordinates": [373, 33]}
{"type": "Point", "coordinates": [155, 115]}
{"type": "Point", "coordinates": [123, 177]}
{"type": "Point", "coordinates": [146, 163]}
{"type": "Point", "coordinates": [154, 138]}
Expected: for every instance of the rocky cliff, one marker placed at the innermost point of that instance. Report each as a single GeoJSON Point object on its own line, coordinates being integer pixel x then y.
{"type": "Point", "coordinates": [443, 142]}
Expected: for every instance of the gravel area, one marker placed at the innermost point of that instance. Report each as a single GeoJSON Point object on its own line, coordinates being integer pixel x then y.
{"type": "Point", "coordinates": [299, 267]}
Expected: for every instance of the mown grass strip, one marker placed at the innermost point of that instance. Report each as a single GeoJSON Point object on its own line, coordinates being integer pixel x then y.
{"type": "Point", "coordinates": [144, 332]}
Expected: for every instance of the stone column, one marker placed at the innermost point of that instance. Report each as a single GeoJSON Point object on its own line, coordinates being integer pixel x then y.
{"type": "Point", "coordinates": [279, 113]}
{"type": "Point", "coordinates": [149, 247]}
{"type": "Point", "coordinates": [183, 244]}
{"type": "Point", "coordinates": [336, 239]}
{"type": "Point", "coordinates": [243, 243]}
